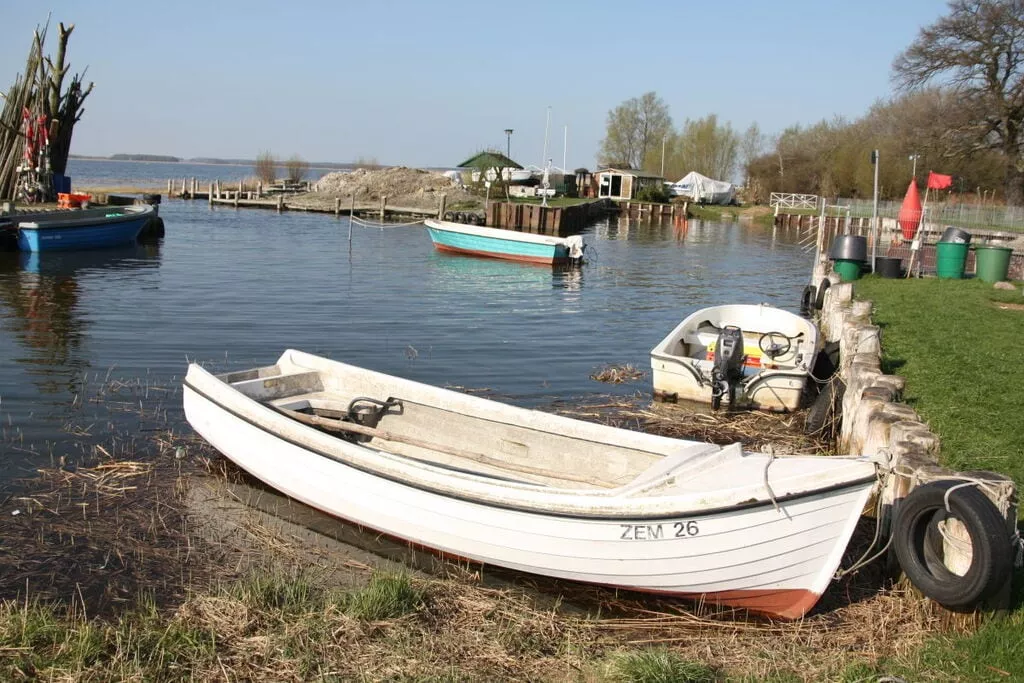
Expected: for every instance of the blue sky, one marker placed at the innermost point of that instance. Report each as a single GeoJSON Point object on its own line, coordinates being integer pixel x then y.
{"type": "Point", "coordinates": [429, 83]}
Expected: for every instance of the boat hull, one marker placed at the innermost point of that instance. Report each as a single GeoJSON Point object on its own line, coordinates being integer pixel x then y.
{"type": "Point", "coordinates": [673, 379]}
{"type": "Point", "coordinates": [455, 238]}
{"type": "Point", "coordinates": [771, 557]}
{"type": "Point", "coordinates": [682, 363]}
{"type": "Point", "coordinates": [67, 231]}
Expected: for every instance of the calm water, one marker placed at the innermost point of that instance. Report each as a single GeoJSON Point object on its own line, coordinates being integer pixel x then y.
{"type": "Point", "coordinates": [96, 342]}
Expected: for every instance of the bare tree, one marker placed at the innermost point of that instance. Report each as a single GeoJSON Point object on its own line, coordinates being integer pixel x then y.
{"type": "Point", "coordinates": [635, 130]}
{"type": "Point", "coordinates": [296, 167]}
{"type": "Point", "coordinates": [979, 48]}
{"type": "Point", "coordinates": [266, 167]}
{"type": "Point", "coordinates": [751, 146]}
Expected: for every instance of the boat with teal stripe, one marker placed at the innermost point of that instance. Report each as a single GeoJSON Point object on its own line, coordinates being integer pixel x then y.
{"type": "Point", "coordinates": [504, 244]}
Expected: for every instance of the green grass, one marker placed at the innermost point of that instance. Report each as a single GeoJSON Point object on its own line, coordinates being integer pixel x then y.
{"type": "Point", "coordinates": [387, 596]}
{"type": "Point", "coordinates": [658, 665]}
{"type": "Point", "coordinates": [963, 359]}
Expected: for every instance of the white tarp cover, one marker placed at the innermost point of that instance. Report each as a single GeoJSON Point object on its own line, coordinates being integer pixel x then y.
{"type": "Point", "coordinates": [702, 189]}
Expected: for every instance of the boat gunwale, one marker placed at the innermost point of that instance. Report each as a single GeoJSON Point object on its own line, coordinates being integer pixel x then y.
{"type": "Point", "coordinates": [69, 221]}
{"type": "Point", "coordinates": [496, 233]}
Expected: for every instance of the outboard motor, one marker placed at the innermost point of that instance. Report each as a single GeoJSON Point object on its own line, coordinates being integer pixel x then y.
{"type": "Point", "coordinates": [576, 249]}
{"type": "Point", "coordinates": [728, 365]}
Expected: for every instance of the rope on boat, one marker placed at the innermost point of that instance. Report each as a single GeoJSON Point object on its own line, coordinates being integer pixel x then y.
{"type": "Point", "coordinates": [771, 493]}
{"type": "Point", "coordinates": [960, 544]}
{"type": "Point", "coordinates": [379, 224]}
{"type": "Point", "coordinates": [864, 560]}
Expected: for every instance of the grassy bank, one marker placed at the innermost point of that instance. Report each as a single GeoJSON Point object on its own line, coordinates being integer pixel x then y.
{"type": "Point", "coordinates": [958, 344]}
{"type": "Point", "coordinates": [760, 215]}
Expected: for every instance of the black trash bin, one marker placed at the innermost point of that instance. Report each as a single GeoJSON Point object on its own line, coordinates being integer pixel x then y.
{"type": "Point", "coordinates": [887, 266]}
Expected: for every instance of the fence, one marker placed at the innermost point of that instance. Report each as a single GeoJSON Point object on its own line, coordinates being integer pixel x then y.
{"type": "Point", "coordinates": [786, 200]}
{"type": "Point", "coordinates": [979, 216]}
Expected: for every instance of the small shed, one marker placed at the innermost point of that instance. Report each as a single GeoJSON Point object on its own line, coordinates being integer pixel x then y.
{"type": "Point", "coordinates": [624, 183]}
{"type": "Point", "coordinates": [490, 163]}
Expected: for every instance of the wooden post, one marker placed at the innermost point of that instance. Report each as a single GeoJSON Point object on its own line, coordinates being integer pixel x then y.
{"type": "Point", "coordinates": [441, 206]}
{"type": "Point", "coordinates": [183, 187]}
{"type": "Point", "coordinates": [209, 194]}
{"type": "Point", "coordinates": [280, 203]}
{"type": "Point", "coordinates": [383, 206]}
{"type": "Point", "coordinates": [351, 217]}
{"type": "Point", "coordinates": [195, 186]}
{"type": "Point", "coordinates": [236, 198]}
{"type": "Point", "coordinates": [337, 206]}
{"type": "Point", "coordinates": [170, 190]}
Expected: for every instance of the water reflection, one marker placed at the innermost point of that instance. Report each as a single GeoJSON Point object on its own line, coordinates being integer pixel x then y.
{"type": "Point", "coordinates": [455, 273]}
{"type": "Point", "coordinates": [42, 304]}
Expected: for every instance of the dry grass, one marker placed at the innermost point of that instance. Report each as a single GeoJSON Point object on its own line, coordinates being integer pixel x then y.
{"type": "Point", "coordinates": [108, 574]}
{"type": "Point", "coordinates": [617, 374]}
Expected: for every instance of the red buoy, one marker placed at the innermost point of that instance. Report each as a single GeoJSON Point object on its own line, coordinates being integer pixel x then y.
{"type": "Point", "coordinates": [910, 212]}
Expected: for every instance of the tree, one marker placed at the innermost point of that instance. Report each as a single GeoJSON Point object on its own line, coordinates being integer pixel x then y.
{"type": "Point", "coordinates": [751, 145]}
{"type": "Point", "coordinates": [708, 148]}
{"type": "Point", "coordinates": [979, 48]}
{"type": "Point", "coordinates": [296, 168]}
{"type": "Point", "coordinates": [266, 167]}
{"type": "Point", "coordinates": [635, 130]}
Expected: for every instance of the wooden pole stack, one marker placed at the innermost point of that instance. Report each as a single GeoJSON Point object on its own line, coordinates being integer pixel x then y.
{"type": "Point", "coordinates": [51, 110]}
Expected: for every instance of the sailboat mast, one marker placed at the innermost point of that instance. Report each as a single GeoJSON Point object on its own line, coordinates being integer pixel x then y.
{"type": "Point", "coordinates": [547, 124]}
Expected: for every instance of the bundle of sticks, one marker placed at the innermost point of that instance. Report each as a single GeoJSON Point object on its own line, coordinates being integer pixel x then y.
{"type": "Point", "coordinates": [37, 120]}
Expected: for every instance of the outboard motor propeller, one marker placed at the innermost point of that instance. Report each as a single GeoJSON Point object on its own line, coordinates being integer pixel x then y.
{"type": "Point", "coordinates": [728, 365]}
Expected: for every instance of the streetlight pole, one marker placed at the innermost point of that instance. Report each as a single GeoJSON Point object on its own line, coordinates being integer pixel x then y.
{"type": "Point", "coordinates": [508, 142]}
{"type": "Point", "coordinates": [663, 138]}
{"type": "Point", "coordinates": [914, 157]}
{"type": "Point", "coordinates": [874, 212]}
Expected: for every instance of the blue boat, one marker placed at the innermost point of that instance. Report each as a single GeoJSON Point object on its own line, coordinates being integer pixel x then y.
{"type": "Point", "coordinates": [504, 244]}
{"type": "Point", "coordinates": [80, 229]}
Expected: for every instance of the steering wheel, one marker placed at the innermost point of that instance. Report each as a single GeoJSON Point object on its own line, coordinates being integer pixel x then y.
{"type": "Point", "coordinates": [774, 344]}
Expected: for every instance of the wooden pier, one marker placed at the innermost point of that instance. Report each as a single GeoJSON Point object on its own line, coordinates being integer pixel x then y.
{"type": "Point", "coordinates": [558, 220]}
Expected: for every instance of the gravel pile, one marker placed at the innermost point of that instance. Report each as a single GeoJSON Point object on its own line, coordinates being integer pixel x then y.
{"type": "Point", "coordinates": [395, 181]}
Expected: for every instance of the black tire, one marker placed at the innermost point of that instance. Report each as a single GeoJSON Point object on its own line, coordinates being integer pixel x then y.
{"type": "Point", "coordinates": [827, 406]}
{"type": "Point", "coordinates": [449, 216]}
{"type": "Point", "coordinates": [918, 544]}
{"type": "Point", "coordinates": [807, 300]}
{"type": "Point", "coordinates": [151, 198]}
{"type": "Point", "coordinates": [819, 300]}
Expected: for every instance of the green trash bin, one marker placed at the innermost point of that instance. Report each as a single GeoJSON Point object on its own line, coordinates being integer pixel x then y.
{"type": "Point", "coordinates": [993, 263]}
{"type": "Point", "coordinates": [950, 258]}
{"type": "Point", "coordinates": [849, 270]}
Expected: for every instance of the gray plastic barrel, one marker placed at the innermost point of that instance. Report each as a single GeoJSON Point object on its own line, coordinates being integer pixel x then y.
{"type": "Point", "coordinates": [956, 236]}
{"type": "Point", "coordinates": [850, 248]}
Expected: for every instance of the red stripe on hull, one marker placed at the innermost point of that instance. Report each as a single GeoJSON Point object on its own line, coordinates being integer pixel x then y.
{"type": "Point", "coordinates": [504, 257]}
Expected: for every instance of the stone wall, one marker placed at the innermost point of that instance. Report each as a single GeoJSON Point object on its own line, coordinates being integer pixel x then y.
{"type": "Point", "coordinates": [875, 421]}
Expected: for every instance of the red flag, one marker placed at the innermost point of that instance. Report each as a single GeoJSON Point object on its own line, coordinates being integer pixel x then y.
{"type": "Point", "coordinates": [937, 181]}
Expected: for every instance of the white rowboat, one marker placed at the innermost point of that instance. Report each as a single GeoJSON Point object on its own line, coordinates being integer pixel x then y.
{"type": "Point", "coordinates": [775, 357]}
{"type": "Point", "coordinates": [541, 493]}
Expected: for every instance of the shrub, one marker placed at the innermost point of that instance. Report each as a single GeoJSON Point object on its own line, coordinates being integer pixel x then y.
{"type": "Point", "coordinates": [266, 167]}
{"type": "Point", "coordinates": [296, 168]}
{"type": "Point", "coordinates": [653, 194]}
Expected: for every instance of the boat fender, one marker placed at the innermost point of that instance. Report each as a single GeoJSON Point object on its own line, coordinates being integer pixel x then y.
{"type": "Point", "coordinates": [807, 300]}
{"type": "Point", "coordinates": [449, 216]}
{"type": "Point", "coordinates": [918, 542]}
{"type": "Point", "coordinates": [819, 300]}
